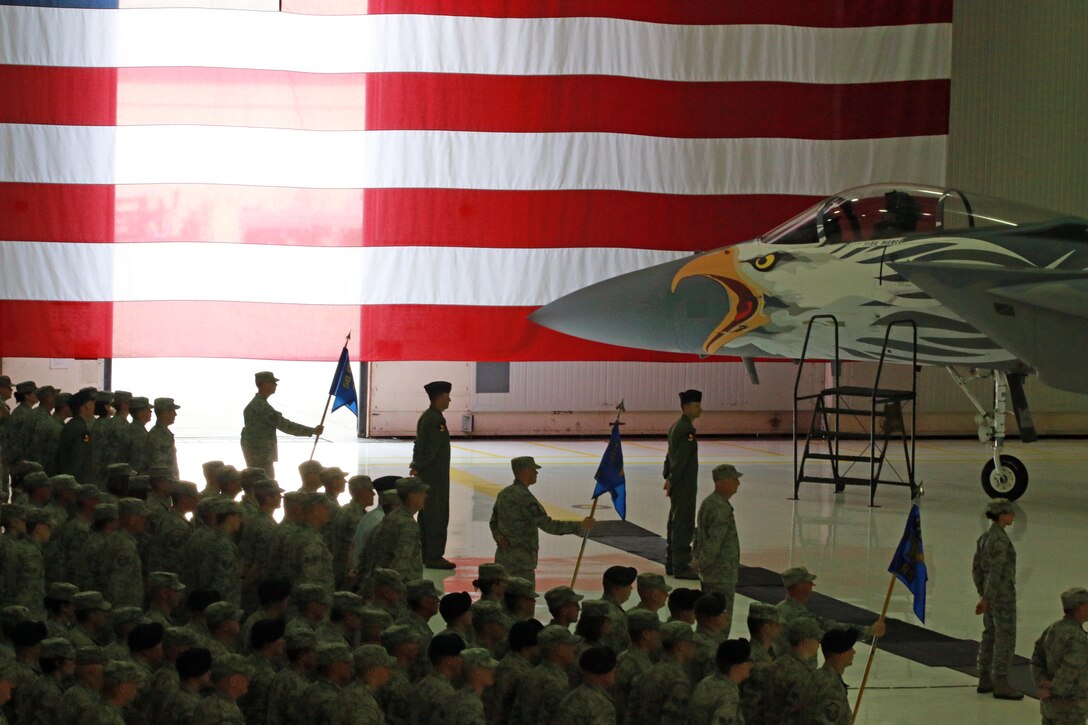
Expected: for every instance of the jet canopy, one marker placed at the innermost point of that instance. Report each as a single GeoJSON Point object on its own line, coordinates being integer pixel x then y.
{"type": "Point", "coordinates": [890, 211]}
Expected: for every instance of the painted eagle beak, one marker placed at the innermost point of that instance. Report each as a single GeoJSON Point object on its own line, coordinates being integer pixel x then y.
{"type": "Point", "coordinates": [745, 303]}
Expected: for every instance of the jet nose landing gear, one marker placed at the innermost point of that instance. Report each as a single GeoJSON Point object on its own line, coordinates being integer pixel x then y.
{"type": "Point", "coordinates": [1010, 480]}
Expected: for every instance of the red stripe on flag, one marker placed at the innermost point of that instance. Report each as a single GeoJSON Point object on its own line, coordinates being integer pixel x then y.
{"type": "Point", "coordinates": [826, 14]}
{"type": "Point", "coordinates": [488, 218]}
{"type": "Point", "coordinates": [544, 104]}
{"type": "Point", "coordinates": [454, 332]}
{"type": "Point", "coordinates": [58, 95]}
{"type": "Point", "coordinates": [57, 329]}
{"type": "Point", "coordinates": [56, 212]}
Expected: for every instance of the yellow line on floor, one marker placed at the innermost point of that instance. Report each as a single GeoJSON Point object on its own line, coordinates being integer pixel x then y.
{"type": "Point", "coordinates": [659, 449]}
{"type": "Point", "coordinates": [750, 448]}
{"type": "Point", "coordinates": [489, 454]}
{"type": "Point", "coordinates": [566, 450]}
{"type": "Point", "coordinates": [489, 488]}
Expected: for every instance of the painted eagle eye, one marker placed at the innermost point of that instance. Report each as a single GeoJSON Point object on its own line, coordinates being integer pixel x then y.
{"type": "Point", "coordinates": [766, 262]}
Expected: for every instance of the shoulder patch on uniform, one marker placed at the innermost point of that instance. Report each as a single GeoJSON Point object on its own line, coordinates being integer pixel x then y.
{"type": "Point", "coordinates": [441, 427]}
{"type": "Point", "coordinates": [691, 436]}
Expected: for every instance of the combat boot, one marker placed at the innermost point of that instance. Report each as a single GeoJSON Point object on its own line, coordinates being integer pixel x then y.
{"type": "Point", "coordinates": [985, 684]}
{"type": "Point", "coordinates": [1002, 691]}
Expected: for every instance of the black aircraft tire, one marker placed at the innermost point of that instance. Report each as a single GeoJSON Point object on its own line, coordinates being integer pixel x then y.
{"type": "Point", "coordinates": [1014, 488]}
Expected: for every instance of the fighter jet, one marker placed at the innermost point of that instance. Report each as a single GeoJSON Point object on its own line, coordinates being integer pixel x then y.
{"type": "Point", "coordinates": [995, 288]}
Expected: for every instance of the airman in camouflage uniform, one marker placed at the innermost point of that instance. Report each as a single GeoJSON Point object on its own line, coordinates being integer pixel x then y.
{"type": "Point", "coordinates": [395, 696]}
{"type": "Point", "coordinates": [356, 704]}
{"type": "Point", "coordinates": [589, 703]}
{"type": "Point", "coordinates": [132, 438]}
{"type": "Point", "coordinates": [396, 542]}
{"type": "Point", "coordinates": [307, 559]}
{"type": "Point", "coordinates": [224, 621]}
{"type": "Point", "coordinates": [514, 666]}
{"type": "Point", "coordinates": [81, 701]}
{"type": "Point", "coordinates": [76, 446]}
{"type": "Point", "coordinates": [431, 463]}
{"type": "Point", "coordinates": [92, 619]}
{"type": "Point", "coordinates": [44, 431]}
{"type": "Point", "coordinates": [799, 582]}
{"type": "Point", "coordinates": [218, 566]}
{"type": "Point", "coordinates": [716, 553]}
{"type": "Point", "coordinates": [160, 447]}
{"type": "Point", "coordinates": [24, 565]}
{"type": "Point", "coordinates": [823, 698]}
{"type": "Point", "coordinates": [717, 698]}
{"type": "Point", "coordinates": [120, 569]}
{"type": "Point", "coordinates": [290, 682]}
{"type": "Point", "coordinates": [230, 675]}
{"type": "Point", "coordinates": [342, 527]}
{"type": "Point", "coordinates": [261, 423]}
{"type": "Point", "coordinates": [1059, 663]}
{"type": "Point", "coordinates": [432, 696]}
{"type": "Point", "coordinates": [120, 682]}
{"type": "Point", "coordinates": [661, 695]}
{"type": "Point", "coordinates": [618, 584]}
{"type": "Point", "coordinates": [266, 644]}
{"type": "Point", "coordinates": [258, 533]}
{"type": "Point", "coordinates": [176, 642]}
{"type": "Point", "coordinates": [763, 628]}
{"type": "Point", "coordinates": [111, 432]}
{"type": "Point", "coordinates": [542, 689]}
{"type": "Point", "coordinates": [22, 419]}
{"type": "Point", "coordinates": [194, 674]}
{"type": "Point", "coordinates": [645, 630]}
{"type": "Point", "coordinates": [5, 432]}
{"type": "Point", "coordinates": [711, 629]}
{"type": "Point", "coordinates": [38, 701]}
{"type": "Point", "coordinates": [517, 519]}
{"type": "Point", "coordinates": [64, 488]}
{"type": "Point", "coordinates": [335, 669]}
{"type": "Point", "coordinates": [994, 572]}
{"type": "Point", "coordinates": [790, 671]}
{"type": "Point", "coordinates": [478, 672]}
{"type": "Point", "coordinates": [681, 473]}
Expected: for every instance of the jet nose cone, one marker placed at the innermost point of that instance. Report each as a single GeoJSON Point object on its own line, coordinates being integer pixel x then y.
{"type": "Point", "coordinates": [639, 310]}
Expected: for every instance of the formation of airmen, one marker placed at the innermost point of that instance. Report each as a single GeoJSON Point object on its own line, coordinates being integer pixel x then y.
{"type": "Point", "coordinates": [130, 596]}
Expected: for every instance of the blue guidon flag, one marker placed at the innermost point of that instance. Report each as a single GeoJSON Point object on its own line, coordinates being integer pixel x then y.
{"type": "Point", "coordinates": [609, 476]}
{"type": "Point", "coordinates": [343, 386]}
{"type": "Point", "coordinates": [909, 562]}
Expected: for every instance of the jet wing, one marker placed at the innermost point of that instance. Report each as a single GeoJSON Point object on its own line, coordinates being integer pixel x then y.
{"type": "Point", "coordinates": [1038, 315]}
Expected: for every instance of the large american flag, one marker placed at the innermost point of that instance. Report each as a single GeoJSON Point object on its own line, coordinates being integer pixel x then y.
{"type": "Point", "coordinates": [250, 180]}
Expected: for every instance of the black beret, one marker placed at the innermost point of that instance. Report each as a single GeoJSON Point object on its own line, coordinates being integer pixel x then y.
{"type": "Point", "coordinates": [683, 598]}
{"type": "Point", "coordinates": [709, 605]}
{"type": "Point", "coordinates": [194, 662]}
{"type": "Point", "coordinates": [28, 633]}
{"type": "Point", "coordinates": [598, 660]}
{"type": "Point", "coordinates": [691, 396]}
{"type": "Point", "coordinates": [838, 640]}
{"type": "Point", "coordinates": [144, 636]}
{"type": "Point", "coordinates": [445, 645]}
{"type": "Point", "coordinates": [386, 483]}
{"type": "Point", "coordinates": [78, 399]}
{"type": "Point", "coordinates": [523, 634]}
{"type": "Point", "coordinates": [437, 387]}
{"type": "Point", "coordinates": [273, 589]}
{"type": "Point", "coordinates": [733, 652]}
{"type": "Point", "coordinates": [454, 605]}
{"type": "Point", "coordinates": [199, 599]}
{"type": "Point", "coordinates": [266, 631]}
{"type": "Point", "coordinates": [620, 575]}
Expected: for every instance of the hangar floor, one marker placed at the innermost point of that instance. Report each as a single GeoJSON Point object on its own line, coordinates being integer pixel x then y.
{"type": "Point", "coordinates": [839, 537]}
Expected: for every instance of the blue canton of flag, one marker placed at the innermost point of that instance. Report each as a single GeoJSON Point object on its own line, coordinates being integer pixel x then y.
{"type": "Point", "coordinates": [343, 386]}
{"type": "Point", "coordinates": [609, 476]}
{"type": "Point", "coordinates": [909, 562]}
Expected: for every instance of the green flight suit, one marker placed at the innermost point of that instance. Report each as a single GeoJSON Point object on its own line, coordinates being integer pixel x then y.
{"type": "Point", "coordinates": [682, 472]}
{"type": "Point", "coordinates": [75, 451]}
{"type": "Point", "coordinates": [431, 461]}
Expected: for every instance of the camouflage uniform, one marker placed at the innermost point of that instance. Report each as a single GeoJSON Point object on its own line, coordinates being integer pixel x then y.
{"type": "Point", "coordinates": [166, 550]}
{"type": "Point", "coordinates": [681, 469]}
{"type": "Point", "coordinates": [395, 698]}
{"type": "Point", "coordinates": [309, 560]}
{"type": "Point", "coordinates": [283, 696]}
{"type": "Point", "coordinates": [160, 687]}
{"type": "Point", "coordinates": [217, 709]}
{"type": "Point", "coordinates": [629, 665]}
{"type": "Point", "coordinates": [754, 689]}
{"type": "Point", "coordinates": [431, 697]}
{"type": "Point", "coordinates": [258, 533]}
{"type": "Point", "coordinates": [465, 708]}
{"type": "Point", "coordinates": [499, 698]}
{"type": "Point", "coordinates": [179, 707]}
{"type": "Point", "coordinates": [192, 553]}
{"type": "Point", "coordinates": [619, 639]}
{"type": "Point", "coordinates": [44, 440]}
{"type": "Point", "coordinates": [785, 678]}
{"type": "Point", "coordinates": [38, 703]}
{"type": "Point", "coordinates": [790, 609]}
{"type": "Point", "coordinates": [161, 450]}
{"type": "Point", "coordinates": [318, 700]}
{"type": "Point", "coordinates": [586, 705]}
{"type": "Point", "coordinates": [716, 700]}
{"type": "Point", "coordinates": [259, 447]}
{"type": "Point", "coordinates": [18, 432]}
{"type": "Point", "coordinates": [78, 704]}
{"type": "Point", "coordinates": [120, 571]}
{"type": "Point", "coordinates": [5, 443]}
{"type": "Point", "coordinates": [75, 450]}
{"type": "Point", "coordinates": [396, 544]}
{"type": "Point", "coordinates": [1060, 657]}
{"type": "Point", "coordinates": [341, 531]}
{"type": "Point", "coordinates": [540, 693]}
{"type": "Point", "coordinates": [132, 445]}
{"type": "Point", "coordinates": [356, 705]}
{"type": "Point", "coordinates": [994, 572]}
{"type": "Point", "coordinates": [218, 567]}
{"type": "Point", "coordinates": [518, 515]}
{"type": "Point", "coordinates": [703, 662]}
{"type": "Point", "coordinates": [24, 577]}
{"type": "Point", "coordinates": [110, 432]}
{"type": "Point", "coordinates": [431, 461]}
{"type": "Point", "coordinates": [661, 695]}
{"type": "Point", "coordinates": [717, 549]}
{"type": "Point", "coordinates": [823, 698]}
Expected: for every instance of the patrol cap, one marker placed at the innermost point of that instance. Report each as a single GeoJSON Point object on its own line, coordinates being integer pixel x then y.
{"type": "Point", "coordinates": [595, 608]}
{"type": "Point", "coordinates": [90, 655]}
{"type": "Point", "coordinates": [63, 482]}
{"type": "Point", "coordinates": [1000, 506]}
{"type": "Point", "coordinates": [598, 660]}
{"type": "Point", "coordinates": [35, 480]}
{"type": "Point", "coordinates": [796, 575]}
{"type": "Point", "coordinates": [145, 636]}
{"type": "Point", "coordinates": [306, 500]}
{"type": "Point", "coordinates": [138, 402]}
{"type": "Point", "coordinates": [653, 582]}
{"type": "Point", "coordinates": [382, 577]}
{"type": "Point", "coordinates": [224, 507]}
{"type": "Point", "coordinates": [13, 614]}
{"type": "Point", "coordinates": [252, 474]}
{"type": "Point", "coordinates": [265, 632]}
{"type": "Point", "coordinates": [265, 377]}
{"type": "Point", "coordinates": [23, 468]}
{"type": "Point", "coordinates": [57, 648]}
{"type": "Point", "coordinates": [226, 474]}
{"type": "Point", "coordinates": [5, 381]}
{"type": "Point", "coordinates": [642, 620]}
{"type": "Point", "coordinates": [139, 484]}
{"type": "Point", "coordinates": [411, 484]}
{"type": "Point", "coordinates": [691, 396]}
{"type": "Point", "coordinates": [733, 652]}
{"type": "Point", "coordinates": [103, 396]}
{"type": "Point", "coordinates": [521, 587]}
{"type": "Point", "coordinates": [1073, 598]}
{"type": "Point", "coordinates": [264, 487]}
{"type": "Point", "coordinates": [557, 597]}
{"type": "Point", "coordinates": [117, 470]}
{"type": "Point", "coordinates": [709, 605]}
{"type": "Point", "coordinates": [27, 386]}
{"type": "Point", "coordinates": [122, 396]}
{"type": "Point", "coordinates": [194, 663]}
{"type": "Point", "coordinates": [478, 658]}
{"type": "Point", "coordinates": [209, 468]}
{"type": "Point", "coordinates": [673, 632]}
{"type": "Point", "coordinates": [389, 498]}
{"type": "Point", "coordinates": [619, 576]}
{"type": "Point", "coordinates": [838, 640]}
{"type": "Point", "coordinates": [91, 600]}
{"type": "Point", "coordinates": [166, 404]}
{"type": "Point", "coordinates": [523, 462]}
{"type": "Point", "coordinates": [306, 593]}
{"type": "Point", "coordinates": [330, 652]}
{"type": "Point", "coordinates": [62, 592]}
{"type": "Point", "coordinates": [185, 488]}
{"type": "Point", "coordinates": [454, 605]}
{"type": "Point", "coordinates": [164, 580]}
{"type": "Point", "coordinates": [80, 398]}
{"type": "Point", "coordinates": [27, 633]}
{"type": "Point", "coordinates": [348, 602]}
{"type": "Point", "coordinates": [437, 387]}
{"type": "Point", "coordinates": [725, 470]}
{"type": "Point", "coordinates": [310, 466]}
{"type": "Point", "coordinates": [760, 612]}
{"type": "Point", "coordinates": [801, 629]}
{"type": "Point", "coordinates": [372, 617]}
{"type": "Point", "coordinates": [12, 512]}
{"type": "Point", "coordinates": [35, 516]}
{"type": "Point", "coordinates": [105, 512]}
{"type": "Point", "coordinates": [45, 391]}
{"type": "Point", "coordinates": [360, 483]}
{"type": "Point", "coordinates": [88, 492]}
{"type": "Point", "coordinates": [332, 473]}
{"type": "Point", "coordinates": [131, 507]}
{"type": "Point", "coordinates": [220, 612]}
{"type": "Point", "coordinates": [487, 611]}
{"type": "Point", "coordinates": [124, 616]}
{"type": "Point", "coordinates": [371, 655]}
{"type": "Point", "coordinates": [231, 664]}
{"type": "Point", "coordinates": [181, 637]}
{"type": "Point", "coordinates": [491, 571]}
{"type": "Point", "coordinates": [61, 400]}
{"type": "Point", "coordinates": [445, 645]}
{"type": "Point", "coordinates": [417, 589]}
{"type": "Point", "coordinates": [300, 638]}
{"type": "Point", "coordinates": [554, 635]}
{"type": "Point", "coordinates": [399, 634]}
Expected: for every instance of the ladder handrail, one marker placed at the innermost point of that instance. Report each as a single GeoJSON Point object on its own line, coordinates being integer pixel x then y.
{"type": "Point", "coordinates": [913, 390]}
{"type": "Point", "coordinates": [797, 381]}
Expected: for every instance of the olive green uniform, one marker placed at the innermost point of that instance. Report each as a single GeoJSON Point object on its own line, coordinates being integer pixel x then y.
{"type": "Point", "coordinates": [431, 461]}
{"type": "Point", "coordinates": [682, 472]}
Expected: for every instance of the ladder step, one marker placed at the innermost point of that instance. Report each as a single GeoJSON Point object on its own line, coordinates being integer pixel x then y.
{"type": "Point", "coordinates": [851, 411]}
{"type": "Point", "coordinates": [841, 457]}
{"type": "Point", "coordinates": [845, 435]}
{"type": "Point", "coordinates": [849, 481]}
{"type": "Point", "coordinates": [858, 391]}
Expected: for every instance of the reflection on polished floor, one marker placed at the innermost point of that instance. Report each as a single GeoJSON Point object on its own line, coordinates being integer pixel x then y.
{"type": "Point", "coordinates": [838, 537]}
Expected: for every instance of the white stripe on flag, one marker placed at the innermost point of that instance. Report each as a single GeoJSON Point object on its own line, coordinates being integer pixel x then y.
{"type": "Point", "coordinates": [458, 159]}
{"type": "Point", "coordinates": [308, 275]}
{"type": "Point", "coordinates": [451, 44]}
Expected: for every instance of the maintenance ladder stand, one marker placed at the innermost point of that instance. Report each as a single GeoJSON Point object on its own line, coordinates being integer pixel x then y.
{"type": "Point", "coordinates": [825, 430]}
